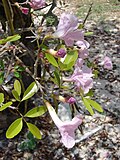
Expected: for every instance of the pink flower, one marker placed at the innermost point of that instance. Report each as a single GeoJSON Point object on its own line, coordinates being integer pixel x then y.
{"type": "Point", "coordinates": [24, 10]}
{"type": "Point", "coordinates": [107, 63]}
{"type": "Point", "coordinates": [83, 51]}
{"type": "Point", "coordinates": [36, 4]}
{"type": "Point", "coordinates": [67, 29]}
{"type": "Point", "coordinates": [82, 77]}
{"type": "Point", "coordinates": [66, 129]}
{"type": "Point", "coordinates": [79, 63]}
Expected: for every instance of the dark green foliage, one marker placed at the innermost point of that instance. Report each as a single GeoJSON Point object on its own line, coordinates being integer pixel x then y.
{"type": "Point", "coordinates": [28, 144]}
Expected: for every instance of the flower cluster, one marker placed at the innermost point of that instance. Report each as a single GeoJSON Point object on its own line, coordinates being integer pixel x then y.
{"type": "Point", "coordinates": [68, 31]}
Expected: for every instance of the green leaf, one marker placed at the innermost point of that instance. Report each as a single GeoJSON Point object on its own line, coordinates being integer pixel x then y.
{"type": "Point", "coordinates": [36, 112]}
{"type": "Point", "coordinates": [71, 57]}
{"type": "Point", "coordinates": [81, 26]}
{"type": "Point", "coordinates": [17, 74]}
{"type": "Point", "coordinates": [90, 93]}
{"type": "Point", "coordinates": [62, 66]}
{"type": "Point", "coordinates": [19, 68]}
{"type": "Point", "coordinates": [15, 94]}
{"type": "Point", "coordinates": [65, 67]}
{"type": "Point", "coordinates": [14, 128]}
{"type": "Point", "coordinates": [6, 105]}
{"type": "Point", "coordinates": [70, 65]}
{"type": "Point", "coordinates": [17, 87]}
{"type": "Point", "coordinates": [88, 33]}
{"type": "Point", "coordinates": [96, 72]}
{"type": "Point", "coordinates": [1, 98]}
{"type": "Point", "coordinates": [51, 59]}
{"type": "Point", "coordinates": [2, 66]}
{"type": "Point", "coordinates": [34, 130]}
{"type": "Point", "coordinates": [10, 39]}
{"type": "Point", "coordinates": [95, 105]}
{"type": "Point", "coordinates": [88, 106]}
{"type": "Point", "coordinates": [57, 77]}
{"type": "Point", "coordinates": [30, 91]}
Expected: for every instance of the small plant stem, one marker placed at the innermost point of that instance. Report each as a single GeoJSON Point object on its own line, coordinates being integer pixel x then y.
{"type": "Point", "coordinates": [36, 61]}
{"type": "Point", "coordinates": [36, 67]}
{"type": "Point", "coordinates": [55, 103]}
{"type": "Point", "coordinates": [9, 14]}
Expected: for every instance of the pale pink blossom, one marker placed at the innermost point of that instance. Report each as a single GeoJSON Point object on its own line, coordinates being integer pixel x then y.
{"type": "Point", "coordinates": [36, 4]}
{"type": "Point", "coordinates": [79, 63]}
{"type": "Point", "coordinates": [67, 29]}
{"type": "Point", "coordinates": [107, 63]}
{"type": "Point", "coordinates": [67, 129]}
{"type": "Point", "coordinates": [82, 77]}
{"type": "Point", "coordinates": [83, 51]}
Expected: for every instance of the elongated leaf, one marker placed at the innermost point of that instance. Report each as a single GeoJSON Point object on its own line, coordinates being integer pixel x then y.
{"type": "Point", "coordinates": [57, 77]}
{"type": "Point", "coordinates": [14, 128]}
{"type": "Point", "coordinates": [6, 105]}
{"type": "Point", "coordinates": [36, 112]}
{"type": "Point", "coordinates": [10, 39]}
{"type": "Point", "coordinates": [71, 57]}
{"type": "Point", "coordinates": [88, 106]}
{"type": "Point", "coordinates": [65, 67]}
{"type": "Point", "coordinates": [70, 65]}
{"type": "Point", "coordinates": [95, 105]}
{"type": "Point", "coordinates": [34, 130]}
{"type": "Point", "coordinates": [62, 66]}
{"type": "Point", "coordinates": [30, 91]}
{"type": "Point", "coordinates": [51, 59]}
{"type": "Point", "coordinates": [15, 94]}
{"type": "Point", "coordinates": [1, 98]}
{"type": "Point", "coordinates": [17, 87]}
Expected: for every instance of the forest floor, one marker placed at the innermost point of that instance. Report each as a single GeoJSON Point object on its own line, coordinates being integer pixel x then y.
{"type": "Point", "coordinates": [101, 133]}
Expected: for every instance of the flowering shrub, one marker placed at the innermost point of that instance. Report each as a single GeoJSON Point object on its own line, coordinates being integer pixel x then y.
{"type": "Point", "coordinates": [63, 51]}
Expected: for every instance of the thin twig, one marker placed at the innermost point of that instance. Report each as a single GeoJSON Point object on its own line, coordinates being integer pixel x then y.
{"type": "Point", "coordinates": [29, 72]}
{"type": "Point", "coordinates": [36, 67]}
{"type": "Point", "coordinates": [88, 13]}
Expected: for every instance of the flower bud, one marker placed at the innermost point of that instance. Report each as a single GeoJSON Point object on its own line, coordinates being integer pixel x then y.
{"type": "Point", "coordinates": [71, 100]}
{"type": "Point", "coordinates": [61, 53]}
{"type": "Point", "coordinates": [24, 10]}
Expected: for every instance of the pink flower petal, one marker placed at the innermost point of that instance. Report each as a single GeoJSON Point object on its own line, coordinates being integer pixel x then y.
{"type": "Point", "coordinates": [66, 129]}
